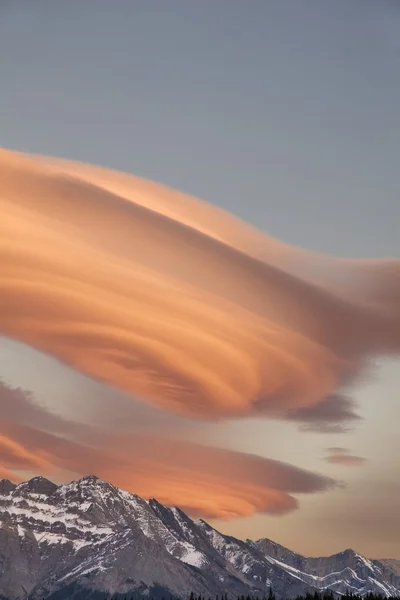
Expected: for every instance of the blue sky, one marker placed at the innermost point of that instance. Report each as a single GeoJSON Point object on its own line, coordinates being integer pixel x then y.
{"type": "Point", "coordinates": [283, 112]}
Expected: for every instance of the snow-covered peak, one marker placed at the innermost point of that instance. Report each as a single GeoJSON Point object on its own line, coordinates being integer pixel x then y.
{"type": "Point", "coordinates": [89, 482]}
{"type": "Point", "coordinates": [89, 521]}
{"type": "Point", "coordinates": [87, 489]}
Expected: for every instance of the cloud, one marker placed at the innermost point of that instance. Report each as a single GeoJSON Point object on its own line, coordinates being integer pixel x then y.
{"type": "Point", "coordinates": [181, 304]}
{"type": "Point", "coordinates": [342, 456]}
{"type": "Point", "coordinates": [331, 415]}
{"type": "Point", "coordinates": [10, 475]}
{"type": "Point", "coordinates": [205, 481]}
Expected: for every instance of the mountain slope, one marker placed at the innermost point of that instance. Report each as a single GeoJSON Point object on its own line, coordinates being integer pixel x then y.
{"type": "Point", "coordinates": [392, 563]}
{"type": "Point", "coordinates": [90, 538]}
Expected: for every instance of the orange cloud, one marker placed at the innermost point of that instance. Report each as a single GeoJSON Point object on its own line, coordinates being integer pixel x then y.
{"type": "Point", "coordinates": [204, 481]}
{"type": "Point", "coordinates": [342, 456]}
{"type": "Point", "coordinates": [179, 303]}
{"type": "Point", "coordinates": [7, 474]}
{"type": "Point", "coordinates": [17, 456]}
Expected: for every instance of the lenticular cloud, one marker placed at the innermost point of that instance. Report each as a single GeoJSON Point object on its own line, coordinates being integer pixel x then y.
{"type": "Point", "coordinates": [176, 301]}
{"type": "Point", "coordinates": [207, 481]}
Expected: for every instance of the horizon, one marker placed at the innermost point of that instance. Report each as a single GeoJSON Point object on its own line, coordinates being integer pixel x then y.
{"type": "Point", "coordinates": [227, 337]}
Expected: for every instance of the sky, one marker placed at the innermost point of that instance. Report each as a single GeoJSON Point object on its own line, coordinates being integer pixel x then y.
{"type": "Point", "coordinates": [285, 114]}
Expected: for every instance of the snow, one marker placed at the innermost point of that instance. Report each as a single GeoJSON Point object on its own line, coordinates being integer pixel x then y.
{"type": "Point", "coordinates": [50, 539]}
{"type": "Point", "coordinates": [76, 498]}
{"type": "Point", "coordinates": [53, 515]}
{"type": "Point", "coordinates": [321, 582]}
{"type": "Point", "coordinates": [193, 557]}
{"type": "Point", "coordinates": [64, 518]}
{"type": "Point", "coordinates": [366, 562]}
{"type": "Point", "coordinates": [41, 515]}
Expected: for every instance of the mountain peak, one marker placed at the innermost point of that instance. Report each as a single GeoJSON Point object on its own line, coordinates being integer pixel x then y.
{"type": "Point", "coordinates": [37, 485]}
{"type": "Point", "coordinates": [105, 534]}
{"type": "Point", "coordinates": [6, 486]}
{"type": "Point", "coordinates": [347, 552]}
{"type": "Point", "coordinates": [91, 479]}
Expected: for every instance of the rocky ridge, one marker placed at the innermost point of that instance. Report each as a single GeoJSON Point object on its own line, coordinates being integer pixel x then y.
{"type": "Point", "coordinates": [89, 537]}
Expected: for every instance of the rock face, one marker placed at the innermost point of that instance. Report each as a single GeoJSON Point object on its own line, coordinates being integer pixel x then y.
{"type": "Point", "coordinates": [91, 538]}
{"type": "Point", "coordinates": [393, 563]}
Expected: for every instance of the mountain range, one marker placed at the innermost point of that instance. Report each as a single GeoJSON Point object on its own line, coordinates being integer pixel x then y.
{"type": "Point", "coordinates": [91, 539]}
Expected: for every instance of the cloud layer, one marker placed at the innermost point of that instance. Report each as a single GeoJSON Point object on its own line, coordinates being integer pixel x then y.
{"type": "Point", "coordinates": [181, 304]}
{"type": "Point", "coordinates": [204, 481]}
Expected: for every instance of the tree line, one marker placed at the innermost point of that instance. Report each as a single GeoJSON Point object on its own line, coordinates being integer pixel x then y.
{"type": "Point", "coordinates": [325, 595]}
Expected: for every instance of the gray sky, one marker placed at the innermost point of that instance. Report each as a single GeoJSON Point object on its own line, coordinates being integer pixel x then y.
{"type": "Point", "coordinates": [285, 112]}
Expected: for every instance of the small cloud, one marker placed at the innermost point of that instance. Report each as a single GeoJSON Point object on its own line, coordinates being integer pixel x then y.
{"type": "Point", "coordinates": [331, 415]}
{"type": "Point", "coordinates": [342, 456]}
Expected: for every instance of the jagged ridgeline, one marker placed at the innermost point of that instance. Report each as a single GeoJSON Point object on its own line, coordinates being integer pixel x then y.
{"type": "Point", "coordinates": [89, 539]}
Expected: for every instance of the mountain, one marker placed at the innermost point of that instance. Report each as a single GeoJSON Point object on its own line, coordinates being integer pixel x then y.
{"type": "Point", "coordinates": [89, 538]}
{"type": "Point", "coordinates": [393, 563]}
